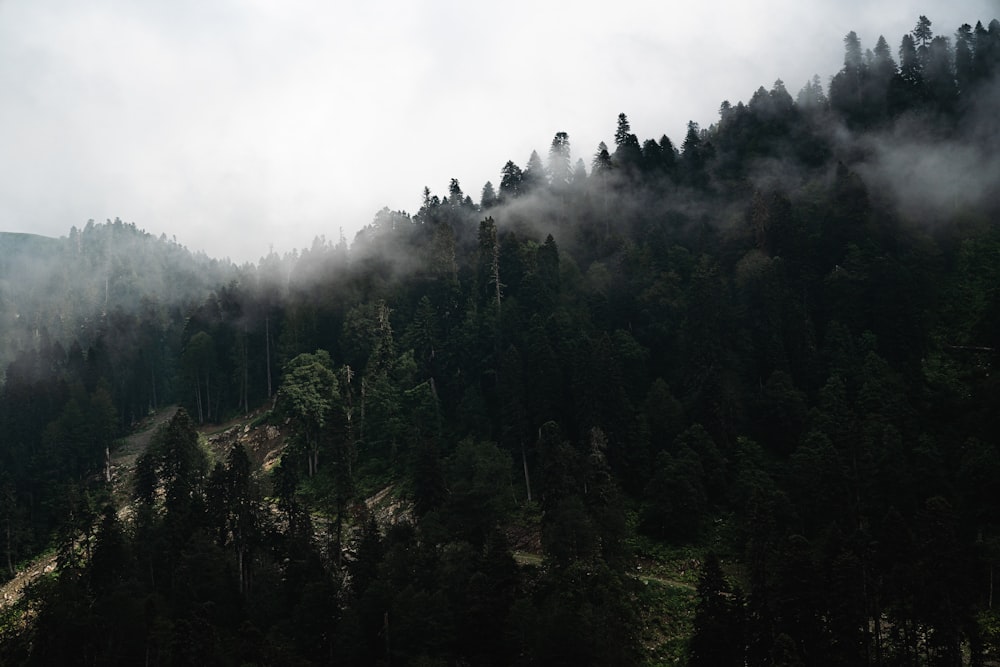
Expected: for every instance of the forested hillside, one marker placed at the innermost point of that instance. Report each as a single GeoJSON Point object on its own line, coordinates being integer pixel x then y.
{"type": "Point", "coordinates": [771, 344]}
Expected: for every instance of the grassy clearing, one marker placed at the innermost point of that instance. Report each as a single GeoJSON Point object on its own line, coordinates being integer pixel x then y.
{"type": "Point", "coordinates": [667, 614]}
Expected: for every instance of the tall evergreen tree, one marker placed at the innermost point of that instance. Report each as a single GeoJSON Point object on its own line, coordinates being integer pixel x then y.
{"type": "Point", "coordinates": [718, 622]}
{"type": "Point", "coordinates": [510, 181]}
{"type": "Point", "coordinates": [559, 160]}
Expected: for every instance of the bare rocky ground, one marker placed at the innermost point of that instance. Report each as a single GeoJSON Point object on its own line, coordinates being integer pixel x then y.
{"type": "Point", "coordinates": [263, 442]}
{"type": "Point", "coordinates": [11, 592]}
{"type": "Point", "coordinates": [128, 451]}
{"type": "Point", "coordinates": [123, 460]}
{"type": "Point", "coordinates": [670, 591]}
{"type": "Point", "coordinates": [122, 469]}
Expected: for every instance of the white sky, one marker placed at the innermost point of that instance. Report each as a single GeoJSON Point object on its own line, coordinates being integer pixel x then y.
{"type": "Point", "coordinates": [241, 125]}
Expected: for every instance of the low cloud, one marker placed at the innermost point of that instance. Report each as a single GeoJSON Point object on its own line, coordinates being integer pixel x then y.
{"type": "Point", "coordinates": [932, 175]}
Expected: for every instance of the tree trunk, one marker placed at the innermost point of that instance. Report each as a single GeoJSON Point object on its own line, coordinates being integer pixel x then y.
{"type": "Point", "coordinates": [495, 268]}
{"type": "Point", "coordinates": [990, 601]}
{"type": "Point", "coordinates": [361, 427]}
{"type": "Point", "coordinates": [527, 479]}
{"type": "Point", "coordinates": [10, 560]}
{"type": "Point", "coordinates": [267, 352]}
{"type": "Point", "coordinates": [312, 457]}
{"type": "Point", "coordinates": [340, 529]}
{"type": "Point", "coordinates": [246, 374]}
{"type": "Point", "coordinates": [197, 396]}
{"type": "Point", "coordinates": [607, 219]}
{"type": "Point", "coordinates": [239, 560]}
{"type": "Point", "coordinates": [878, 631]}
{"type": "Point", "coordinates": [152, 375]}
{"type": "Point", "coordinates": [208, 399]}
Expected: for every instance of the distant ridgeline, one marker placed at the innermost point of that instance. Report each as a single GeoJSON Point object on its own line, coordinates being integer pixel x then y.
{"type": "Point", "coordinates": [775, 342]}
{"type": "Point", "coordinates": [56, 292]}
{"type": "Point", "coordinates": [13, 244]}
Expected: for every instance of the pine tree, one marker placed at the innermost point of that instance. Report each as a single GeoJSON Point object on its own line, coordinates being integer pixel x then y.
{"type": "Point", "coordinates": [922, 35]}
{"type": "Point", "coordinates": [488, 199]}
{"type": "Point", "coordinates": [719, 620]}
{"type": "Point", "coordinates": [693, 157]}
{"type": "Point", "coordinates": [559, 160]}
{"type": "Point", "coordinates": [628, 153]}
{"type": "Point", "coordinates": [510, 182]}
{"type": "Point", "coordinates": [109, 563]}
{"type": "Point", "coordinates": [534, 176]}
{"type": "Point", "coordinates": [964, 67]}
{"type": "Point", "coordinates": [602, 160]}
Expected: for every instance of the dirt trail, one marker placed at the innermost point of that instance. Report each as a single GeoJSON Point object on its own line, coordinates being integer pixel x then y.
{"type": "Point", "coordinates": [11, 592]}
{"type": "Point", "coordinates": [534, 559]}
{"type": "Point", "coordinates": [122, 470]}
{"type": "Point", "coordinates": [127, 453]}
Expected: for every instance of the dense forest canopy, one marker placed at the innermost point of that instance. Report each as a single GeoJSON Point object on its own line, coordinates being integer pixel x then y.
{"type": "Point", "coordinates": [771, 343]}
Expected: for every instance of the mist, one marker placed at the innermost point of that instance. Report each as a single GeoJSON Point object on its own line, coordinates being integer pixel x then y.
{"type": "Point", "coordinates": [500, 418]}
{"type": "Point", "coordinates": [932, 175]}
{"type": "Point", "coordinates": [240, 128]}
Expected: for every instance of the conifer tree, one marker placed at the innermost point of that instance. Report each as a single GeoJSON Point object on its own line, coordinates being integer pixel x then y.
{"type": "Point", "coordinates": [602, 160]}
{"type": "Point", "coordinates": [510, 181]}
{"type": "Point", "coordinates": [534, 175]}
{"type": "Point", "coordinates": [559, 160]}
{"type": "Point", "coordinates": [488, 199]}
{"type": "Point", "coordinates": [718, 624]}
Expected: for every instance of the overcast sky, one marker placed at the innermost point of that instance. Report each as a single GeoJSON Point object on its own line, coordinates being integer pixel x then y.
{"type": "Point", "coordinates": [243, 125]}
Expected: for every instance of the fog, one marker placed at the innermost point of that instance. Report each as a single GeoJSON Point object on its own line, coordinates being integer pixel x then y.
{"type": "Point", "coordinates": [241, 127]}
{"type": "Point", "coordinates": [931, 177]}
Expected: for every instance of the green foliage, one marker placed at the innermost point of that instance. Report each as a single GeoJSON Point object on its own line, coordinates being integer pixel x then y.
{"type": "Point", "coordinates": [309, 395]}
{"type": "Point", "coordinates": [582, 615]}
{"type": "Point", "coordinates": [310, 389]}
{"type": "Point", "coordinates": [668, 613]}
{"type": "Point", "coordinates": [478, 477]}
{"type": "Point", "coordinates": [799, 372]}
{"type": "Point", "coordinates": [718, 637]}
